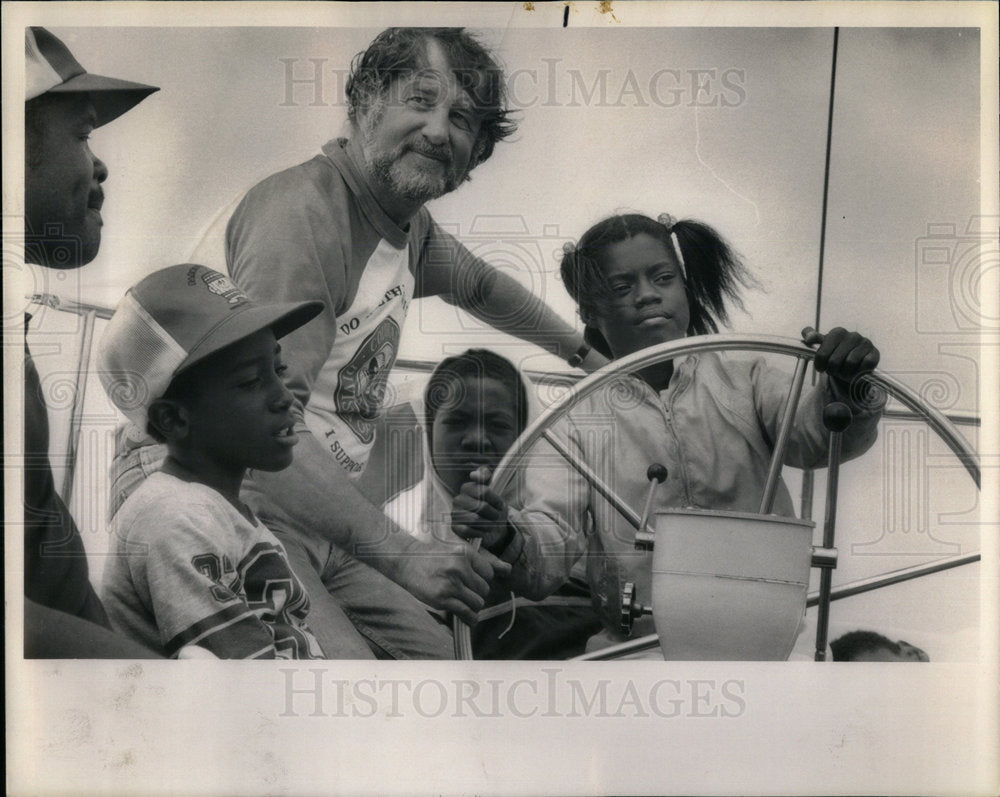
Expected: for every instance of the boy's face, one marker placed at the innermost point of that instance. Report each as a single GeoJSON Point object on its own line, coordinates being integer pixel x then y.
{"type": "Point", "coordinates": [418, 138]}
{"type": "Point", "coordinates": [240, 417]}
{"type": "Point", "coordinates": [474, 427]}
{"type": "Point", "coordinates": [649, 303]}
{"type": "Point", "coordinates": [63, 194]}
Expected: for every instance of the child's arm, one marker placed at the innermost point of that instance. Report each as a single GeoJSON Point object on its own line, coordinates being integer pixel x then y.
{"type": "Point", "coordinates": [541, 541]}
{"type": "Point", "coordinates": [841, 358]}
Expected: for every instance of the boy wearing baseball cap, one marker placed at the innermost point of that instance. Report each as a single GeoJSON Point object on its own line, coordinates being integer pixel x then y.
{"type": "Point", "coordinates": [188, 357]}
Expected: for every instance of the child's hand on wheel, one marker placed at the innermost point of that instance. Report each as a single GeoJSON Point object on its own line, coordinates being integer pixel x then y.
{"type": "Point", "coordinates": [842, 355]}
{"type": "Point", "coordinates": [477, 511]}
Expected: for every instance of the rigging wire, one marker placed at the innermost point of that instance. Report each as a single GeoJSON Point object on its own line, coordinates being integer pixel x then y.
{"type": "Point", "coordinates": [808, 478]}
{"type": "Point", "coordinates": [826, 181]}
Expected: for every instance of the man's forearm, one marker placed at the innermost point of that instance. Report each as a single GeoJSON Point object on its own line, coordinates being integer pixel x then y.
{"type": "Point", "coordinates": [319, 497]}
{"type": "Point", "coordinates": [507, 305]}
{"type": "Point", "coordinates": [317, 494]}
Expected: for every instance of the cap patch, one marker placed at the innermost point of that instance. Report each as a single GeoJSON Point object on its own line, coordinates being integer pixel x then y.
{"type": "Point", "coordinates": [221, 285]}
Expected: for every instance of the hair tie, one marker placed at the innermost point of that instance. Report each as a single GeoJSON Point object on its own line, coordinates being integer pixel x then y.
{"type": "Point", "coordinates": [569, 248]}
{"type": "Point", "coordinates": [670, 222]}
{"type": "Point", "coordinates": [666, 220]}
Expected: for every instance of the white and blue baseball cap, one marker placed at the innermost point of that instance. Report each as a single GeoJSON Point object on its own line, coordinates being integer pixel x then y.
{"type": "Point", "coordinates": [177, 317]}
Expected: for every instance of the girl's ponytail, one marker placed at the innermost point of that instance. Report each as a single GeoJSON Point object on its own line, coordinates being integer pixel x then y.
{"type": "Point", "coordinates": [714, 273]}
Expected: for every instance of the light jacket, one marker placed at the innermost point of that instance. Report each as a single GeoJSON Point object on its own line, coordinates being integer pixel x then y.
{"type": "Point", "coordinates": [713, 428]}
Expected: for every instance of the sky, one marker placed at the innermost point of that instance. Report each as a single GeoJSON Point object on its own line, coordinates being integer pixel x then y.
{"type": "Point", "coordinates": [612, 119]}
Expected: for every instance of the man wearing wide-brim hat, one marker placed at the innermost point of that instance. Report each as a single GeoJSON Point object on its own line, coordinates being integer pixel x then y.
{"type": "Point", "coordinates": [63, 179]}
{"type": "Point", "coordinates": [63, 195]}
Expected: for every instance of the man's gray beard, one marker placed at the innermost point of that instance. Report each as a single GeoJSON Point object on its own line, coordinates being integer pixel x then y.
{"type": "Point", "coordinates": [409, 184]}
{"type": "Point", "coordinates": [385, 168]}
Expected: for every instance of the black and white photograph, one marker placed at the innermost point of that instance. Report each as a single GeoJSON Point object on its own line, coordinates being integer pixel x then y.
{"type": "Point", "coordinates": [571, 397]}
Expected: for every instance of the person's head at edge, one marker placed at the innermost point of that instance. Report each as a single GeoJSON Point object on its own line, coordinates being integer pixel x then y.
{"type": "Point", "coordinates": [63, 179]}
{"type": "Point", "coordinates": [870, 646]}
{"type": "Point", "coordinates": [426, 106]}
{"type": "Point", "coordinates": [475, 406]}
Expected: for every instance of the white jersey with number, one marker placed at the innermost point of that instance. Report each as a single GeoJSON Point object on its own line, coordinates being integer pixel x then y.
{"type": "Point", "coordinates": [189, 569]}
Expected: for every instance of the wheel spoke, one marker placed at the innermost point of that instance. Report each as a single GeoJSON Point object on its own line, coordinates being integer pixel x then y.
{"type": "Point", "coordinates": [787, 419]}
{"type": "Point", "coordinates": [595, 481]}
